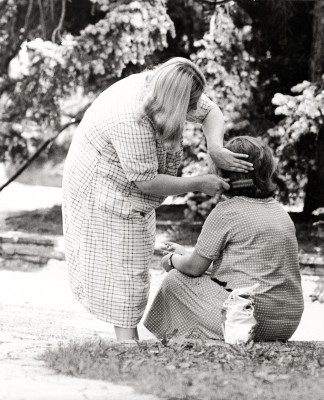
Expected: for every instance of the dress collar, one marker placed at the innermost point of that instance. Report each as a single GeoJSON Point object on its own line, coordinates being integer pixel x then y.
{"type": "Point", "coordinates": [257, 200]}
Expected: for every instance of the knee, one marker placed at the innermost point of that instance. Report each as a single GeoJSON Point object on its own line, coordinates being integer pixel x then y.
{"type": "Point", "coordinates": [171, 281]}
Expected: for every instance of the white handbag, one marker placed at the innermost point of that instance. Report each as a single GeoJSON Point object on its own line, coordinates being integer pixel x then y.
{"type": "Point", "coordinates": [238, 321]}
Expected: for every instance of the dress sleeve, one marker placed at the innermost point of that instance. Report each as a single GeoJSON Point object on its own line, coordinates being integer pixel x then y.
{"type": "Point", "coordinates": [214, 234]}
{"type": "Point", "coordinates": [203, 107]}
{"type": "Point", "coordinates": [135, 146]}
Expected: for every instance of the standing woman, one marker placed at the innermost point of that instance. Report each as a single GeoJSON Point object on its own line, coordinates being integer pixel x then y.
{"type": "Point", "coordinates": [121, 165]}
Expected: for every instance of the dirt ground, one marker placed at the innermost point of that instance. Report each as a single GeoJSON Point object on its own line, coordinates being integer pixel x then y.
{"type": "Point", "coordinates": [38, 310]}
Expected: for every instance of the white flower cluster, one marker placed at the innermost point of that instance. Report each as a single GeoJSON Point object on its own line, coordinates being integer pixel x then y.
{"type": "Point", "coordinates": [43, 78]}
{"type": "Point", "coordinates": [228, 67]}
{"type": "Point", "coordinates": [9, 10]}
{"type": "Point", "coordinates": [44, 72]}
{"type": "Point", "coordinates": [297, 133]}
{"type": "Point", "coordinates": [231, 76]}
{"type": "Point", "coordinates": [127, 34]}
{"type": "Point", "coordinates": [103, 4]}
{"type": "Point", "coordinates": [304, 112]}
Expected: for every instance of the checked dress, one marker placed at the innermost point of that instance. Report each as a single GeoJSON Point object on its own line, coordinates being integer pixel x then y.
{"type": "Point", "coordinates": [109, 225]}
{"type": "Point", "coordinates": [249, 241]}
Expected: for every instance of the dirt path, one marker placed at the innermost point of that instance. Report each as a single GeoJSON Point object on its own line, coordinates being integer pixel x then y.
{"type": "Point", "coordinates": [38, 310]}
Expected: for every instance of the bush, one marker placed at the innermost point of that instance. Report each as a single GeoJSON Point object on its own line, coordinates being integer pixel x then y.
{"type": "Point", "coordinates": [295, 137]}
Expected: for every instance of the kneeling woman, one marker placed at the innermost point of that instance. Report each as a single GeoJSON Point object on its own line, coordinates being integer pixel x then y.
{"type": "Point", "coordinates": [251, 240]}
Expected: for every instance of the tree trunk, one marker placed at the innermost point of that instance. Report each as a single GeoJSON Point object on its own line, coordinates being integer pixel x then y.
{"type": "Point", "coordinates": [317, 55]}
{"type": "Point", "coordinates": [315, 187]}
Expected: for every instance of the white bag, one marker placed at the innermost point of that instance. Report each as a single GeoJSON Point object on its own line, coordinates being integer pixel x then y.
{"type": "Point", "coordinates": [238, 316]}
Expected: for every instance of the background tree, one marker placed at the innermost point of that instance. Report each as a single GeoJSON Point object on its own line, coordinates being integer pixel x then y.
{"type": "Point", "coordinates": [231, 75]}
{"type": "Point", "coordinates": [299, 136]}
{"type": "Point", "coordinates": [46, 57]}
{"type": "Point", "coordinates": [315, 186]}
{"type": "Point", "coordinates": [52, 49]}
{"type": "Point", "coordinates": [276, 62]}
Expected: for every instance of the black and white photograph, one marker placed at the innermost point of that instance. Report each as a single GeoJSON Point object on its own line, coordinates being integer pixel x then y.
{"type": "Point", "coordinates": [161, 199]}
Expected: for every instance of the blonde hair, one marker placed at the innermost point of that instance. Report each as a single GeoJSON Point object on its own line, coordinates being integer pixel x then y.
{"type": "Point", "coordinates": [173, 87]}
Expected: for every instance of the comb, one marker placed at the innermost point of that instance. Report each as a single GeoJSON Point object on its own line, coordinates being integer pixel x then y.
{"type": "Point", "coordinates": [241, 183]}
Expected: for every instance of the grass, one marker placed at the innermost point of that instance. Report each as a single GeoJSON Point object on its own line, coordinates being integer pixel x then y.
{"type": "Point", "coordinates": [194, 370]}
{"type": "Point", "coordinates": [309, 239]}
{"type": "Point", "coordinates": [44, 221]}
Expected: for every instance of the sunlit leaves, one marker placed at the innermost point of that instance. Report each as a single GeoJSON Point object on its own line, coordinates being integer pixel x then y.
{"type": "Point", "coordinates": [8, 9]}
{"type": "Point", "coordinates": [127, 34]}
{"type": "Point", "coordinates": [296, 135]}
{"type": "Point", "coordinates": [45, 73]}
{"type": "Point", "coordinates": [231, 76]}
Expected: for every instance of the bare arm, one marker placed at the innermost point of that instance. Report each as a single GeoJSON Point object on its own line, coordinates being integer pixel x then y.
{"type": "Point", "coordinates": [191, 264]}
{"type": "Point", "coordinates": [214, 236]}
{"type": "Point", "coordinates": [166, 185]}
{"type": "Point", "coordinates": [213, 128]}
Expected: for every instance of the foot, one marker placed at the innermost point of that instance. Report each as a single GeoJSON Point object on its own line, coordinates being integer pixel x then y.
{"type": "Point", "coordinates": [126, 334]}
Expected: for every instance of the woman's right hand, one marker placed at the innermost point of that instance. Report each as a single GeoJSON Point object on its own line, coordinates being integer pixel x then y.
{"type": "Point", "coordinates": [229, 161]}
{"type": "Point", "coordinates": [213, 185]}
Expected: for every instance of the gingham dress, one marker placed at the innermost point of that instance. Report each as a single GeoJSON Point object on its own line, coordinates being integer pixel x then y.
{"type": "Point", "coordinates": [250, 241]}
{"type": "Point", "coordinates": [109, 225]}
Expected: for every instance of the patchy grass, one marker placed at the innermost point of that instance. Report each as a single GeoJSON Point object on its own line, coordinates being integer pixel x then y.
{"type": "Point", "coordinates": [194, 370]}
{"type": "Point", "coordinates": [45, 220]}
{"type": "Point", "coordinates": [184, 234]}
{"type": "Point", "coordinates": [308, 237]}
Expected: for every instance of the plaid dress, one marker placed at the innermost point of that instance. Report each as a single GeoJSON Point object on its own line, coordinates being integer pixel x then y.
{"type": "Point", "coordinates": [250, 241]}
{"type": "Point", "coordinates": [109, 224]}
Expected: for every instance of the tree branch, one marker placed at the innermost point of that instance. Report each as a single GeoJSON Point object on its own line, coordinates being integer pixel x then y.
{"type": "Point", "coordinates": [52, 10]}
{"type": "Point", "coordinates": [215, 2]}
{"type": "Point", "coordinates": [37, 153]}
{"type": "Point", "coordinates": [28, 13]}
{"type": "Point", "coordinates": [42, 18]}
{"type": "Point", "coordinates": [58, 29]}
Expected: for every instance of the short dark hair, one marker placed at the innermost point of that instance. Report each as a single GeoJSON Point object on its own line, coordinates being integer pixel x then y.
{"type": "Point", "coordinates": [264, 165]}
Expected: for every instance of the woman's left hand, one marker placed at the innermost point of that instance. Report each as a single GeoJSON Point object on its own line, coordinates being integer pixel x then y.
{"type": "Point", "coordinates": [174, 248]}
{"type": "Point", "coordinates": [229, 161]}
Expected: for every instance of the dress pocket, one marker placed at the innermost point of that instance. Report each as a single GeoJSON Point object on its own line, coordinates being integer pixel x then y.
{"type": "Point", "coordinates": [110, 200]}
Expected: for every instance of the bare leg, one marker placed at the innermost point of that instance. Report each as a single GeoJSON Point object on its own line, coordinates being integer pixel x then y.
{"type": "Point", "coordinates": [126, 333]}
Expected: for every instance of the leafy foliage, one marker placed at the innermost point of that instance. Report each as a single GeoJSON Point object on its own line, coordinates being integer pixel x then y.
{"type": "Point", "coordinates": [295, 136]}
{"type": "Point", "coordinates": [231, 76]}
{"type": "Point", "coordinates": [12, 144]}
{"type": "Point", "coordinates": [8, 10]}
{"type": "Point", "coordinates": [44, 73]}
{"type": "Point", "coordinates": [51, 48]}
{"type": "Point", "coordinates": [128, 33]}
{"type": "Point", "coordinates": [228, 66]}
{"type": "Point", "coordinates": [319, 223]}
{"type": "Point", "coordinates": [281, 44]}
{"type": "Point", "coordinates": [42, 79]}
{"type": "Point", "coordinates": [190, 23]}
